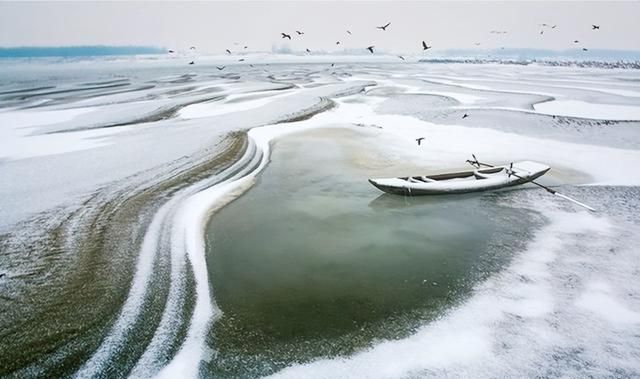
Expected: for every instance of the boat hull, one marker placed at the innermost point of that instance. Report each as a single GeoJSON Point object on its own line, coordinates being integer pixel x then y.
{"type": "Point", "coordinates": [527, 171]}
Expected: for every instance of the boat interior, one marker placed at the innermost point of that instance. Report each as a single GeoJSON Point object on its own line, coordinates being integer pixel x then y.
{"type": "Point", "coordinates": [456, 176]}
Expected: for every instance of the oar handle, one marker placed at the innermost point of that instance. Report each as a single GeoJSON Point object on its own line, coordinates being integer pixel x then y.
{"type": "Point", "coordinates": [550, 190]}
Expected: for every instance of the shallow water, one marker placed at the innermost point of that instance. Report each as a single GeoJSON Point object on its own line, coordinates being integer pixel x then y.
{"type": "Point", "coordinates": [314, 261]}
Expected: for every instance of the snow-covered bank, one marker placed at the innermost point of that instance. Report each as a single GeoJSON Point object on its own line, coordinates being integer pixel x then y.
{"type": "Point", "coordinates": [82, 147]}
{"type": "Point", "coordinates": [395, 142]}
{"type": "Point", "coordinates": [541, 316]}
{"type": "Point", "coordinates": [576, 108]}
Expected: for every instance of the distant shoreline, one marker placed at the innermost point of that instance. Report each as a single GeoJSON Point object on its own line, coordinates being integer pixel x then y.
{"type": "Point", "coordinates": [76, 51]}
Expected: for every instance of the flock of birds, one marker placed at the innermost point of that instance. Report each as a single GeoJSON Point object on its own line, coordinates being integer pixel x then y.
{"type": "Point", "coordinates": [301, 33]}
{"type": "Point", "coordinates": [371, 48]}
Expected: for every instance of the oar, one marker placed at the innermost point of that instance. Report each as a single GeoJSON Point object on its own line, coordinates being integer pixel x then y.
{"type": "Point", "coordinates": [475, 162]}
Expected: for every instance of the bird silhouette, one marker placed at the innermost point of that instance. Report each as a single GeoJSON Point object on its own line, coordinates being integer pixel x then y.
{"type": "Point", "coordinates": [250, 65]}
{"type": "Point", "coordinates": [370, 48]}
{"type": "Point", "coordinates": [192, 62]}
{"type": "Point", "coordinates": [246, 47]}
{"type": "Point", "coordinates": [171, 51]}
{"type": "Point", "coordinates": [299, 32]}
{"type": "Point", "coordinates": [542, 32]}
{"type": "Point", "coordinates": [241, 60]}
{"type": "Point", "coordinates": [348, 32]}
{"type": "Point", "coordinates": [465, 116]}
{"type": "Point", "coordinates": [220, 68]}
{"type": "Point", "coordinates": [594, 27]}
{"type": "Point", "coordinates": [308, 51]}
{"type": "Point", "coordinates": [228, 51]}
{"type": "Point", "coordinates": [192, 48]}
{"type": "Point", "coordinates": [418, 140]}
{"type": "Point", "coordinates": [285, 35]}
{"type": "Point", "coordinates": [333, 64]}
{"type": "Point", "coordinates": [401, 57]}
{"type": "Point", "coordinates": [425, 47]}
{"type": "Point", "coordinates": [584, 49]}
{"type": "Point", "coordinates": [554, 26]}
{"type": "Point", "coordinates": [383, 27]}
{"type": "Point", "coordinates": [337, 42]}
{"type": "Point", "coordinates": [477, 43]}
{"type": "Point", "coordinates": [576, 41]}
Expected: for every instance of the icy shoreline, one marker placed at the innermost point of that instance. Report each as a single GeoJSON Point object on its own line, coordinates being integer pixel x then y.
{"type": "Point", "coordinates": [48, 146]}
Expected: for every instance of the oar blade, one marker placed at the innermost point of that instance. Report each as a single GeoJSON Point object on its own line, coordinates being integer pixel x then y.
{"type": "Point", "coordinates": [575, 201]}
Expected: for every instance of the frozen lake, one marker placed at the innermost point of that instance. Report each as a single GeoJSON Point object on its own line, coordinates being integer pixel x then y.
{"type": "Point", "coordinates": [173, 221]}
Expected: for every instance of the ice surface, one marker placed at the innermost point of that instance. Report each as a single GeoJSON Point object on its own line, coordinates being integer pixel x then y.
{"type": "Point", "coordinates": [75, 130]}
{"type": "Point", "coordinates": [514, 322]}
{"type": "Point", "coordinates": [577, 108]}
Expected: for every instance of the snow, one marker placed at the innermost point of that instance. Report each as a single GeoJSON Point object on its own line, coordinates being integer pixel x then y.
{"type": "Point", "coordinates": [49, 161]}
{"type": "Point", "coordinates": [502, 331]}
{"type": "Point", "coordinates": [577, 108]}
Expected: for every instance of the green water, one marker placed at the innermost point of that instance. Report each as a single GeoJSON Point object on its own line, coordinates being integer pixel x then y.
{"type": "Point", "coordinates": [314, 261]}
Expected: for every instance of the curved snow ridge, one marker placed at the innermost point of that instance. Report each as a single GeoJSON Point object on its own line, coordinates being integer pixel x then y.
{"type": "Point", "coordinates": [490, 89]}
{"type": "Point", "coordinates": [173, 228]}
{"type": "Point", "coordinates": [187, 243]}
{"type": "Point", "coordinates": [506, 329]}
{"type": "Point", "coordinates": [184, 219]}
{"type": "Point", "coordinates": [190, 223]}
{"type": "Point", "coordinates": [583, 109]}
{"type": "Point", "coordinates": [207, 109]}
{"type": "Point", "coordinates": [18, 142]}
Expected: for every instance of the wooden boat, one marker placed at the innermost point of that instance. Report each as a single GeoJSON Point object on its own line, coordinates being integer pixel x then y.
{"type": "Point", "coordinates": [481, 179]}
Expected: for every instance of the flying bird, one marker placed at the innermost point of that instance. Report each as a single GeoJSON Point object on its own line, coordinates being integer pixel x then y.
{"type": "Point", "coordinates": [285, 35]}
{"type": "Point", "coordinates": [576, 41]}
{"type": "Point", "coordinates": [418, 140]}
{"type": "Point", "coordinates": [228, 51]}
{"type": "Point", "coordinates": [584, 49]}
{"type": "Point", "coordinates": [308, 51]}
{"type": "Point", "coordinates": [250, 65]}
{"type": "Point", "coordinates": [348, 32]}
{"type": "Point", "coordinates": [477, 43]}
{"type": "Point", "coordinates": [338, 42]}
{"type": "Point", "coordinates": [542, 32]}
{"type": "Point", "coordinates": [192, 48]}
{"type": "Point", "coordinates": [333, 64]}
{"type": "Point", "coordinates": [299, 32]}
{"type": "Point", "coordinates": [192, 62]}
{"type": "Point", "coordinates": [594, 27]}
{"type": "Point", "coordinates": [401, 57]}
{"type": "Point", "coordinates": [465, 116]}
{"type": "Point", "coordinates": [383, 27]}
{"type": "Point", "coordinates": [241, 60]}
{"type": "Point", "coordinates": [554, 26]}
{"type": "Point", "coordinates": [370, 48]}
{"type": "Point", "coordinates": [425, 47]}
{"type": "Point", "coordinates": [171, 51]}
{"type": "Point", "coordinates": [246, 47]}
{"type": "Point", "coordinates": [220, 68]}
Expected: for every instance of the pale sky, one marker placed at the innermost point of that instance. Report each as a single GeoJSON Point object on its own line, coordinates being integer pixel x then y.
{"type": "Point", "coordinates": [215, 26]}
